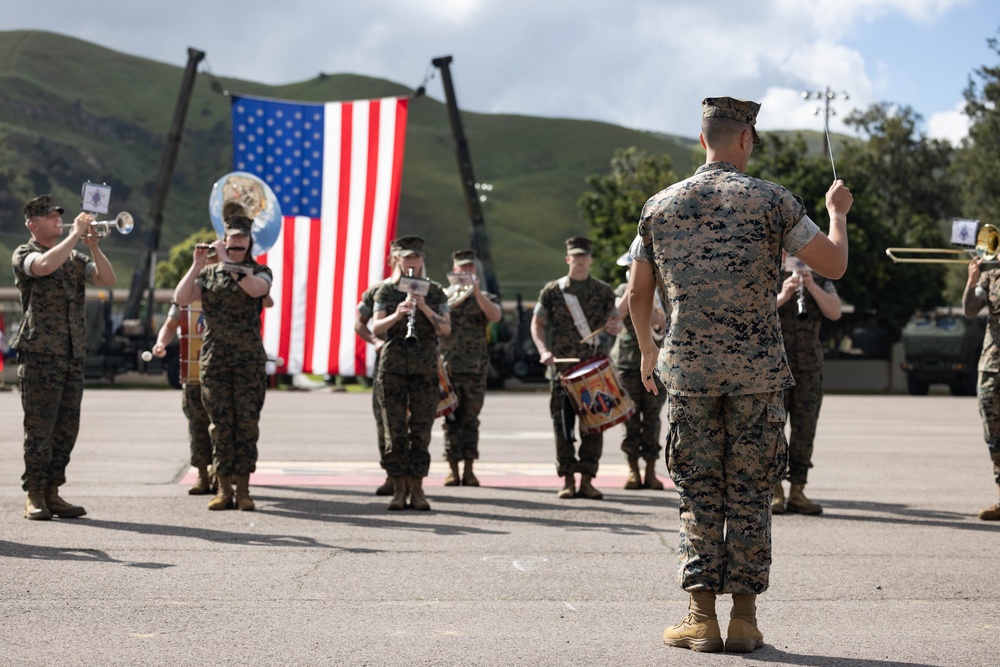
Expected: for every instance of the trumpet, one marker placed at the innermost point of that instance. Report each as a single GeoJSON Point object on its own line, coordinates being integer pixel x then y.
{"type": "Point", "coordinates": [987, 248]}
{"type": "Point", "coordinates": [123, 224]}
{"type": "Point", "coordinates": [411, 322]}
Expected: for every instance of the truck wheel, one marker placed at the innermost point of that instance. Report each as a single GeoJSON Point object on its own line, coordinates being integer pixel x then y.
{"type": "Point", "coordinates": [916, 386]}
{"type": "Point", "coordinates": [965, 386]}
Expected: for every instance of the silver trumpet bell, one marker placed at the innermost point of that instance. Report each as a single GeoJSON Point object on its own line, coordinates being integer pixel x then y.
{"type": "Point", "coordinates": [123, 224]}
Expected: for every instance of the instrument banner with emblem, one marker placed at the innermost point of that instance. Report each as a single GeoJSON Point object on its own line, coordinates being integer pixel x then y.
{"type": "Point", "coordinates": [449, 397]}
{"type": "Point", "coordinates": [597, 395]}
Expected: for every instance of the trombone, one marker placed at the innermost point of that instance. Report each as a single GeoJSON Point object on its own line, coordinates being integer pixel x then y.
{"type": "Point", "coordinates": [987, 248]}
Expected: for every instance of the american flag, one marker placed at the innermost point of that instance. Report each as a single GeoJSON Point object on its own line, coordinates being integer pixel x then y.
{"type": "Point", "coordinates": [336, 170]}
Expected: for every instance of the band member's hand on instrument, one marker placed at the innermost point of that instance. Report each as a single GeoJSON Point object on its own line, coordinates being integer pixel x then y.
{"type": "Point", "coordinates": [788, 289]}
{"type": "Point", "coordinates": [546, 358]}
{"type": "Point", "coordinates": [404, 309]}
{"type": "Point", "coordinates": [614, 326]}
{"type": "Point", "coordinates": [81, 225]}
{"type": "Point", "coordinates": [159, 350]}
{"type": "Point", "coordinates": [221, 250]}
{"type": "Point", "coordinates": [658, 320]}
{"type": "Point", "coordinates": [975, 270]}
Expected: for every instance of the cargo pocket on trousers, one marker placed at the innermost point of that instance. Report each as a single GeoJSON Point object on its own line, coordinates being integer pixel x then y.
{"type": "Point", "coordinates": [678, 420]}
{"type": "Point", "coordinates": [778, 449]}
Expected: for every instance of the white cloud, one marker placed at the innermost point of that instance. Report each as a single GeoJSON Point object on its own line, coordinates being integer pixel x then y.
{"type": "Point", "coordinates": [951, 125]}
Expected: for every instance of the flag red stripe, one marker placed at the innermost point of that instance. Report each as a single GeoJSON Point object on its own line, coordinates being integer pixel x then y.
{"type": "Point", "coordinates": [287, 291]}
{"type": "Point", "coordinates": [346, 149]}
{"type": "Point", "coordinates": [315, 231]}
{"type": "Point", "coordinates": [374, 109]}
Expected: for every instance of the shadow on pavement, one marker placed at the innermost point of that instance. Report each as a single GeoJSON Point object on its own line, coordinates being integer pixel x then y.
{"type": "Point", "coordinates": [902, 515]}
{"type": "Point", "coordinates": [771, 655]}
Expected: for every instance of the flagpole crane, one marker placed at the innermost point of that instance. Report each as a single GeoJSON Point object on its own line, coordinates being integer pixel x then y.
{"type": "Point", "coordinates": [479, 240]}
{"type": "Point", "coordinates": [146, 268]}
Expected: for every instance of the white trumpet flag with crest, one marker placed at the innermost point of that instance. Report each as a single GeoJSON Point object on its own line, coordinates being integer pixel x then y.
{"type": "Point", "coordinates": [336, 169]}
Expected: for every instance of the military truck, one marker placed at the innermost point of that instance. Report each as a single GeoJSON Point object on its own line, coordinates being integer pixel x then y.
{"type": "Point", "coordinates": [942, 347]}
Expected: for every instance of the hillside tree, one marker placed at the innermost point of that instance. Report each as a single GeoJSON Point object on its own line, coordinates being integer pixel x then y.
{"type": "Point", "coordinates": [979, 160]}
{"type": "Point", "coordinates": [170, 271]}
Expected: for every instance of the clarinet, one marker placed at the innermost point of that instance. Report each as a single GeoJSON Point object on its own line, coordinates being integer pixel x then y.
{"type": "Point", "coordinates": [802, 314]}
{"type": "Point", "coordinates": [411, 333]}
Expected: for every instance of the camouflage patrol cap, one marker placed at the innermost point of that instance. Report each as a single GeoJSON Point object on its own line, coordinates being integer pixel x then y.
{"type": "Point", "coordinates": [744, 111]}
{"type": "Point", "coordinates": [578, 245]}
{"type": "Point", "coordinates": [460, 257]}
{"type": "Point", "coordinates": [405, 246]}
{"type": "Point", "coordinates": [41, 205]}
{"type": "Point", "coordinates": [233, 208]}
{"type": "Point", "coordinates": [238, 224]}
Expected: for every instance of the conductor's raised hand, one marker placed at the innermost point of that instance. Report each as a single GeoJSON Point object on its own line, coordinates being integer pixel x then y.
{"type": "Point", "coordinates": [839, 199]}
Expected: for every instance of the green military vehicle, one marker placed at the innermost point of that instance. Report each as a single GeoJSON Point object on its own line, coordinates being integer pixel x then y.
{"type": "Point", "coordinates": [942, 347]}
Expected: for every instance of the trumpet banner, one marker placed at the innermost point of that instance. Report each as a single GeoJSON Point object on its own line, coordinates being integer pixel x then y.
{"type": "Point", "coordinates": [336, 169]}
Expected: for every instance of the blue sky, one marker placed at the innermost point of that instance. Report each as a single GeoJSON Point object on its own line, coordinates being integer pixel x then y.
{"type": "Point", "coordinates": [643, 64]}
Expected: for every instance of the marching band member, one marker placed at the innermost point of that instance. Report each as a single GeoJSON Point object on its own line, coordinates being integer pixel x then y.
{"type": "Point", "coordinates": [569, 310]}
{"type": "Point", "coordinates": [233, 377]}
{"type": "Point", "coordinates": [468, 361]}
{"type": "Point", "coordinates": [51, 276]}
{"type": "Point", "coordinates": [407, 373]}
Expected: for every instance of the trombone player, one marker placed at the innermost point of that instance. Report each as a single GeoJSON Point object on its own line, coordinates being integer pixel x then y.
{"type": "Point", "coordinates": [51, 347]}
{"type": "Point", "coordinates": [983, 289]}
{"type": "Point", "coordinates": [468, 363]}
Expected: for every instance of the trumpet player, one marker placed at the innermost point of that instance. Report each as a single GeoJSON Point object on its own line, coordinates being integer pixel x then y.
{"type": "Point", "coordinates": [804, 300]}
{"type": "Point", "coordinates": [407, 373]}
{"type": "Point", "coordinates": [51, 276]}
{"type": "Point", "coordinates": [468, 364]}
{"type": "Point", "coordinates": [232, 292]}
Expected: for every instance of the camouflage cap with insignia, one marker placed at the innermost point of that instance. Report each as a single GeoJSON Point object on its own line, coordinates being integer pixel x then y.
{"type": "Point", "coordinates": [578, 245]}
{"type": "Point", "coordinates": [460, 257]}
{"type": "Point", "coordinates": [41, 205]}
{"type": "Point", "coordinates": [405, 246]}
{"type": "Point", "coordinates": [233, 208]}
{"type": "Point", "coordinates": [239, 224]}
{"type": "Point", "coordinates": [744, 111]}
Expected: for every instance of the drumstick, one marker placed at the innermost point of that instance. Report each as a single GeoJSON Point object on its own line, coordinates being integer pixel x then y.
{"type": "Point", "coordinates": [592, 335]}
{"type": "Point", "coordinates": [566, 360]}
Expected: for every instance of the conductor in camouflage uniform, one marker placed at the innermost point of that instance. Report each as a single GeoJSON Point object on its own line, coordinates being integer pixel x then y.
{"type": "Point", "coordinates": [233, 377]}
{"type": "Point", "coordinates": [983, 289]}
{"type": "Point", "coordinates": [408, 373]}
{"type": "Point", "coordinates": [713, 243]}
{"type": "Point", "coordinates": [558, 333]}
{"type": "Point", "coordinates": [51, 276]}
{"type": "Point", "coordinates": [800, 323]}
{"type": "Point", "coordinates": [468, 362]}
{"type": "Point", "coordinates": [642, 429]}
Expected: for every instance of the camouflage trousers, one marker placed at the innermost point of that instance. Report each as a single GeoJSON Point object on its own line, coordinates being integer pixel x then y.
{"type": "Point", "coordinates": [568, 460]}
{"type": "Point", "coordinates": [802, 404]}
{"type": "Point", "coordinates": [725, 453]}
{"type": "Point", "coordinates": [642, 429]}
{"type": "Point", "coordinates": [198, 423]}
{"type": "Point", "coordinates": [51, 391]}
{"type": "Point", "coordinates": [461, 427]}
{"type": "Point", "coordinates": [379, 425]}
{"type": "Point", "coordinates": [233, 397]}
{"type": "Point", "coordinates": [409, 403]}
{"type": "Point", "coordinates": [988, 393]}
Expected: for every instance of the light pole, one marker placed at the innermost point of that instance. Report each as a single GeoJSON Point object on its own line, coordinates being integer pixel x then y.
{"type": "Point", "coordinates": [827, 96]}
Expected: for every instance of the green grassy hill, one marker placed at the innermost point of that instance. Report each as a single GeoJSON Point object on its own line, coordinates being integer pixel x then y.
{"type": "Point", "coordinates": [72, 111]}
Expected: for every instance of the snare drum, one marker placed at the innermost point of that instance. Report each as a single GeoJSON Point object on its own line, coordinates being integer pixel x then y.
{"type": "Point", "coordinates": [192, 334]}
{"type": "Point", "coordinates": [597, 395]}
{"type": "Point", "coordinates": [449, 397]}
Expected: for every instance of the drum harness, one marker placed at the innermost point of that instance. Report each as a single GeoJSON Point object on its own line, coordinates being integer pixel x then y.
{"type": "Point", "coordinates": [583, 327]}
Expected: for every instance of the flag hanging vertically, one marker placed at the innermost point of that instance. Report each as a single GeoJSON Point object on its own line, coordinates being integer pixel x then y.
{"type": "Point", "coordinates": [336, 170]}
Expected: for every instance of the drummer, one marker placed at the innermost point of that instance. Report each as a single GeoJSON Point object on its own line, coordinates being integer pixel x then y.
{"type": "Point", "coordinates": [566, 325]}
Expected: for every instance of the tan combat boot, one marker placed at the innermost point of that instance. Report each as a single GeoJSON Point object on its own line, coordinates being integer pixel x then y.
{"type": "Point", "coordinates": [799, 504]}
{"type": "Point", "coordinates": [468, 477]}
{"type": "Point", "coordinates": [651, 482]}
{"type": "Point", "coordinates": [778, 499]}
{"type": "Point", "coordinates": [743, 635]}
{"type": "Point", "coordinates": [243, 499]}
{"type": "Point", "coordinates": [387, 487]}
{"type": "Point", "coordinates": [34, 507]}
{"type": "Point", "coordinates": [569, 488]}
{"type": "Point", "coordinates": [699, 631]}
{"type": "Point", "coordinates": [634, 480]}
{"type": "Point", "coordinates": [418, 500]}
{"type": "Point", "coordinates": [990, 513]}
{"type": "Point", "coordinates": [223, 499]}
{"type": "Point", "coordinates": [204, 484]}
{"type": "Point", "coordinates": [587, 489]}
{"type": "Point", "coordinates": [59, 507]}
{"type": "Point", "coordinates": [453, 478]}
{"type": "Point", "coordinates": [398, 501]}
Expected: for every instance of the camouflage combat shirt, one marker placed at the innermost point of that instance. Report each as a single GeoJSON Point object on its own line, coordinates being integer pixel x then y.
{"type": "Point", "coordinates": [715, 242]}
{"type": "Point", "coordinates": [54, 306]}
{"type": "Point", "coordinates": [232, 318]}
{"type": "Point", "coordinates": [597, 300]}
{"type": "Point", "coordinates": [418, 357]}
{"type": "Point", "coordinates": [801, 337]}
{"type": "Point", "coordinates": [989, 287]}
{"type": "Point", "coordinates": [465, 349]}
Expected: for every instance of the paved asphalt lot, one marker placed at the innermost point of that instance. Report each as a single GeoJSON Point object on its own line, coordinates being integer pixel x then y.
{"type": "Point", "coordinates": [897, 571]}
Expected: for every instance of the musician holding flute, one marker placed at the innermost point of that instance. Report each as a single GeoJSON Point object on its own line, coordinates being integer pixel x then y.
{"type": "Point", "coordinates": [232, 292]}
{"type": "Point", "coordinates": [568, 318]}
{"type": "Point", "coordinates": [804, 300]}
{"type": "Point", "coordinates": [51, 276]}
{"type": "Point", "coordinates": [407, 372]}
